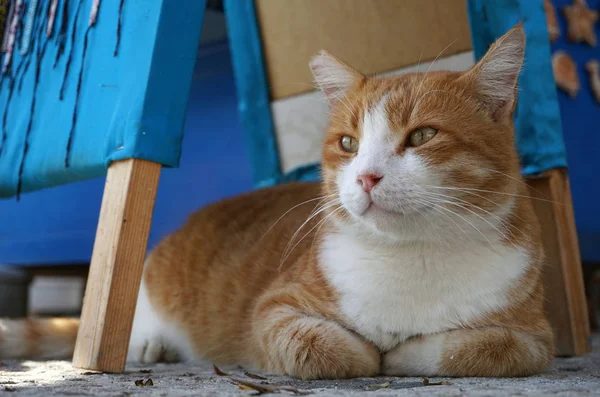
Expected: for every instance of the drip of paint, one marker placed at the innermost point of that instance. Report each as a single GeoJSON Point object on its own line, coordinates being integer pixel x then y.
{"type": "Point", "coordinates": [11, 87]}
{"type": "Point", "coordinates": [40, 51]}
{"type": "Point", "coordinates": [61, 94]}
{"type": "Point", "coordinates": [78, 89]}
{"type": "Point", "coordinates": [119, 26]}
{"type": "Point", "coordinates": [62, 32]}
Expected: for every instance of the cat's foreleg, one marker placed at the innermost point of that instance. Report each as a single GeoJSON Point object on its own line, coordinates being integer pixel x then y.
{"type": "Point", "coordinates": [488, 351]}
{"type": "Point", "coordinates": [307, 347]}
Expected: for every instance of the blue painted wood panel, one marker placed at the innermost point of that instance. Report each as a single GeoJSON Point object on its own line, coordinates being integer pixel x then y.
{"type": "Point", "coordinates": [57, 225]}
{"type": "Point", "coordinates": [112, 107]}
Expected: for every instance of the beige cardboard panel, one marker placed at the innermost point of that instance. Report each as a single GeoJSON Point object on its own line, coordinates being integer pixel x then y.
{"type": "Point", "coordinates": [374, 36]}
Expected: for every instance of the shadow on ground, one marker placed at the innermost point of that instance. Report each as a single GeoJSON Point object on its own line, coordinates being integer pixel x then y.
{"type": "Point", "coordinates": [567, 377]}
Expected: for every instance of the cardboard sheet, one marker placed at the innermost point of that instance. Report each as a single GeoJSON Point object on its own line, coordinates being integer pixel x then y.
{"type": "Point", "coordinates": [374, 36]}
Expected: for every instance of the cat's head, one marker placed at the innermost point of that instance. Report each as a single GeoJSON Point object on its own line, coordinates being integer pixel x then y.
{"type": "Point", "coordinates": [413, 154]}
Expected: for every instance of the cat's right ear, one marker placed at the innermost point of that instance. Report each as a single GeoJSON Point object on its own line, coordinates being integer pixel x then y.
{"type": "Point", "coordinates": [333, 76]}
{"type": "Point", "coordinates": [495, 76]}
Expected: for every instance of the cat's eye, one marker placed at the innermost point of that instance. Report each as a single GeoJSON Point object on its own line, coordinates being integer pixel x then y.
{"type": "Point", "coordinates": [421, 136]}
{"type": "Point", "coordinates": [349, 144]}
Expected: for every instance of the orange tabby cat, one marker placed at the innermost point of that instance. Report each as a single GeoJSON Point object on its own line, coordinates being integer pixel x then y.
{"type": "Point", "coordinates": [418, 254]}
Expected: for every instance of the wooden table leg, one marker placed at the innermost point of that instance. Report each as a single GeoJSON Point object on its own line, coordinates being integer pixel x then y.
{"type": "Point", "coordinates": [565, 295]}
{"type": "Point", "coordinates": [117, 264]}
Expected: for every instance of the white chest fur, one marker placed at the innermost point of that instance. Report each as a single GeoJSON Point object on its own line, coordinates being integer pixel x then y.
{"type": "Point", "coordinates": [390, 294]}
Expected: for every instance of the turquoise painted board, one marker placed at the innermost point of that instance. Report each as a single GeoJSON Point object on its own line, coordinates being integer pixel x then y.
{"type": "Point", "coordinates": [113, 107]}
{"type": "Point", "coordinates": [254, 103]}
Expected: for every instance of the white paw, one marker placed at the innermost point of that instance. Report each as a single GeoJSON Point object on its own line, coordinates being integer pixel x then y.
{"type": "Point", "coordinates": [151, 351]}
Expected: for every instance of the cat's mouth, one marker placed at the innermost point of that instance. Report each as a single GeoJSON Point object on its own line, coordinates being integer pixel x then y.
{"type": "Point", "coordinates": [374, 208]}
{"type": "Point", "coordinates": [378, 209]}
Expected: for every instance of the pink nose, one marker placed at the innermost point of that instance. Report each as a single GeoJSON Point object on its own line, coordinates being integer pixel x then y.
{"type": "Point", "coordinates": [368, 181]}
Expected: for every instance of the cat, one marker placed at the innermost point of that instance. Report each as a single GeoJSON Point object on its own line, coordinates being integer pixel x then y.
{"type": "Point", "coordinates": [418, 254]}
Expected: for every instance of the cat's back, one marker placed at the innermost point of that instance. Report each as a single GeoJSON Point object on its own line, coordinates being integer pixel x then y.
{"type": "Point", "coordinates": [206, 276]}
{"type": "Point", "coordinates": [235, 224]}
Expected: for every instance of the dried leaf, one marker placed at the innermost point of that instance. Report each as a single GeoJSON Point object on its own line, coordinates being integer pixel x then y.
{"type": "Point", "coordinates": [244, 387]}
{"type": "Point", "coordinates": [263, 388]}
{"type": "Point", "coordinates": [91, 373]}
{"type": "Point", "coordinates": [219, 372]}
{"type": "Point", "coordinates": [145, 371]}
{"type": "Point", "coordinates": [379, 386]}
{"type": "Point", "coordinates": [254, 376]}
{"type": "Point", "coordinates": [427, 382]}
{"type": "Point", "coordinates": [142, 383]}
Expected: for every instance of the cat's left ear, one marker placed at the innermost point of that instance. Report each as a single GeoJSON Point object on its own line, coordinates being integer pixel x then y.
{"type": "Point", "coordinates": [333, 76]}
{"type": "Point", "coordinates": [494, 78]}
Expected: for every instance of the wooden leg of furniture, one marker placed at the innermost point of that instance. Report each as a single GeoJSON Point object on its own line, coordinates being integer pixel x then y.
{"type": "Point", "coordinates": [116, 266]}
{"type": "Point", "coordinates": [563, 277]}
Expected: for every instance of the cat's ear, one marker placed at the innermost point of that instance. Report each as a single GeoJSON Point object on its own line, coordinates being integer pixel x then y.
{"type": "Point", "coordinates": [333, 76]}
{"type": "Point", "coordinates": [494, 78]}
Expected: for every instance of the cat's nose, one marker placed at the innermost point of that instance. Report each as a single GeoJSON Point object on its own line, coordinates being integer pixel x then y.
{"type": "Point", "coordinates": [368, 181]}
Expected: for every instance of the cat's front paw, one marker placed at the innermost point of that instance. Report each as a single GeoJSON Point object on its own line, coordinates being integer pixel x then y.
{"type": "Point", "coordinates": [151, 351]}
{"type": "Point", "coordinates": [415, 357]}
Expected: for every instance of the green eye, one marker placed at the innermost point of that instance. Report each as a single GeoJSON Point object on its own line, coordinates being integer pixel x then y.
{"type": "Point", "coordinates": [421, 136]}
{"type": "Point", "coordinates": [349, 144]}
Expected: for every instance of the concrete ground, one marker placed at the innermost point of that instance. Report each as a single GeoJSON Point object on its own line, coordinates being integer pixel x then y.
{"type": "Point", "coordinates": [567, 377]}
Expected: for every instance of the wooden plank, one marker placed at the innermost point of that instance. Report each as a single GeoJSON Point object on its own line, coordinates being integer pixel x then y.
{"type": "Point", "coordinates": [117, 264]}
{"type": "Point", "coordinates": [373, 36]}
{"type": "Point", "coordinates": [565, 295]}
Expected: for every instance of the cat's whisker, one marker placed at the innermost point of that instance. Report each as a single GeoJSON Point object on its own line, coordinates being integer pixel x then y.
{"type": "Point", "coordinates": [488, 200]}
{"type": "Point", "coordinates": [432, 63]}
{"type": "Point", "coordinates": [322, 204]}
{"type": "Point", "coordinates": [440, 209]}
{"type": "Point", "coordinates": [293, 208]}
{"type": "Point", "coordinates": [467, 221]}
{"type": "Point", "coordinates": [501, 233]}
{"type": "Point", "coordinates": [412, 87]}
{"type": "Point", "coordinates": [515, 179]}
{"type": "Point", "coordinates": [433, 91]}
{"type": "Point", "coordinates": [311, 217]}
{"type": "Point", "coordinates": [419, 62]}
{"type": "Point", "coordinates": [346, 100]}
{"type": "Point", "coordinates": [466, 190]}
{"type": "Point", "coordinates": [465, 202]}
{"type": "Point", "coordinates": [345, 215]}
{"type": "Point", "coordinates": [320, 227]}
{"type": "Point", "coordinates": [288, 253]}
{"type": "Point", "coordinates": [429, 221]}
{"type": "Point", "coordinates": [506, 224]}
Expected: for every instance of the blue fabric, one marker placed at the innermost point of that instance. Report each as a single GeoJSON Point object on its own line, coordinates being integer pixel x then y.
{"type": "Point", "coordinates": [538, 124]}
{"type": "Point", "coordinates": [253, 90]}
{"type": "Point", "coordinates": [131, 106]}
